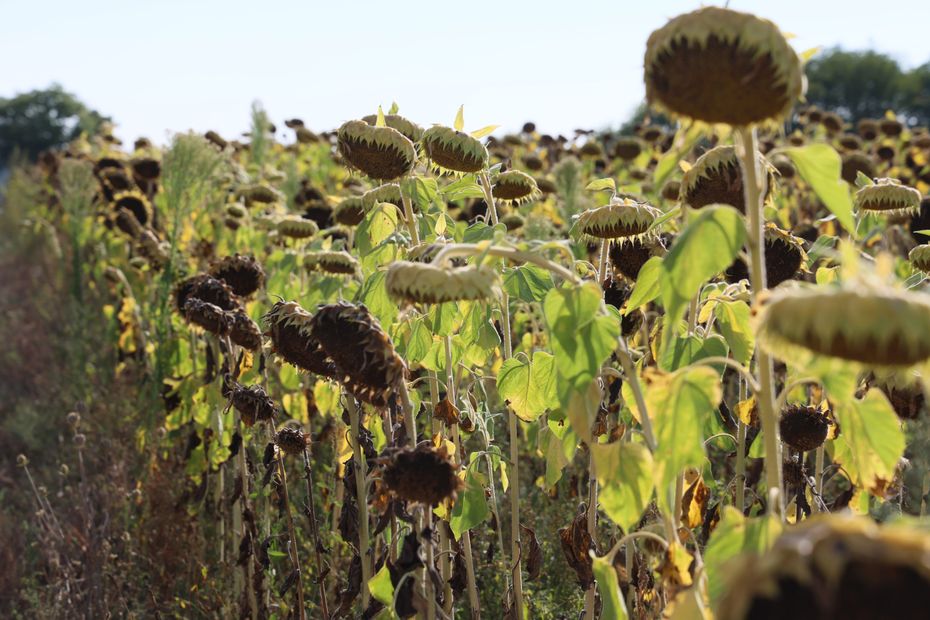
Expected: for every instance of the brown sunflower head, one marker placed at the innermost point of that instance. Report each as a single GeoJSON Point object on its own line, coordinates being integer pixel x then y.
{"type": "Point", "coordinates": [244, 331]}
{"type": "Point", "coordinates": [336, 263]}
{"type": "Point", "coordinates": [389, 192]}
{"type": "Point", "coordinates": [514, 187]}
{"type": "Point", "coordinates": [453, 152]}
{"type": "Point", "coordinates": [804, 428]}
{"type": "Point", "coordinates": [424, 475]}
{"type": "Point", "coordinates": [205, 288]}
{"type": "Point", "coordinates": [411, 130]}
{"type": "Point", "coordinates": [146, 169]}
{"type": "Point", "coordinates": [210, 317]}
{"type": "Point", "coordinates": [616, 294]}
{"type": "Point", "coordinates": [253, 403]}
{"type": "Point", "coordinates": [920, 257]}
{"type": "Point", "coordinates": [242, 273]}
{"type": "Point", "coordinates": [369, 366]}
{"type": "Point", "coordinates": [291, 339]}
{"type": "Point", "coordinates": [833, 566]}
{"type": "Point", "coordinates": [854, 163]}
{"type": "Point", "coordinates": [426, 283]}
{"type": "Point", "coordinates": [381, 153]}
{"type": "Point", "coordinates": [623, 219]}
{"type": "Point", "coordinates": [722, 66]}
{"type": "Point", "coordinates": [628, 148]}
{"type": "Point", "coordinates": [856, 321]}
{"type": "Point", "coordinates": [888, 197]}
{"type": "Point", "coordinates": [784, 257]}
{"type": "Point", "coordinates": [868, 128]}
{"type": "Point", "coordinates": [296, 227]}
{"type": "Point", "coordinates": [292, 440]}
{"type": "Point", "coordinates": [716, 178]}
{"type": "Point", "coordinates": [350, 212]}
{"type": "Point", "coordinates": [136, 203]}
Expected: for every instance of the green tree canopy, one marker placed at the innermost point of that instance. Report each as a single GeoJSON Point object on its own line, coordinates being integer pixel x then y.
{"type": "Point", "coordinates": [855, 84]}
{"type": "Point", "coordinates": [41, 119]}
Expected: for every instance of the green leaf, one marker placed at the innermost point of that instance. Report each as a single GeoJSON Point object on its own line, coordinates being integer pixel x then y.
{"type": "Point", "coordinates": [684, 351]}
{"type": "Point", "coordinates": [380, 121]}
{"type": "Point", "coordinates": [684, 141]}
{"type": "Point", "coordinates": [733, 536]}
{"type": "Point", "coordinates": [459, 125]}
{"type": "Point", "coordinates": [600, 185]}
{"type": "Point", "coordinates": [420, 342]}
{"type": "Point", "coordinates": [378, 224]}
{"type": "Point", "coordinates": [528, 282]}
{"type": "Point", "coordinates": [679, 404]}
{"type": "Point", "coordinates": [613, 605]}
{"type": "Point", "coordinates": [863, 180]}
{"type": "Point", "coordinates": [471, 507]}
{"type": "Point", "coordinates": [381, 587]}
{"type": "Point", "coordinates": [529, 386]}
{"type": "Point", "coordinates": [820, 166]}
{"type": "Point", "coordinates": [733, 322]}
{"type": "Point", "coordinates": [466, 187]}
{"type": "Point", "coordinates": [374, 295]}
{"type": "Point", "coordinates": [558, 442]}
{"type": "Point", "coordinates": [624, 471]}
{"type": "Point", "coordinates": [871, 441]}
{"type": "Point", "coordinates": [484, 131]}
{"type": "Point", "coordinates": [581, 405]}
{"type": "Point", "coordinates": [394, 109]}
{"type": "Point", "coordinates": [423, 190]}
{"type": "Point", "coordinates": [445, 318]}
{"type": "Point", "coordinates": [706, 246]}
{"type": "Point", "coordinates": [582, 332]}
{"type": "Point", "coordinates": [647, 287]}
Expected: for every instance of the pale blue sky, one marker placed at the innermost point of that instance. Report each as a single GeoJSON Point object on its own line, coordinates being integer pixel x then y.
{"type": "Point", "coordinates": [195, 64]}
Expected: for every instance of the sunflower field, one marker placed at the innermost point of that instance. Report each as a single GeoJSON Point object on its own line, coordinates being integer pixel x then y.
{"type": "Point", "coordinates": [396, 371]}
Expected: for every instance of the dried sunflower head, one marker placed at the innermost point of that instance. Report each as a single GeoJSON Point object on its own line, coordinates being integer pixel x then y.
{"type": "Point", "coordinates": [453, 152]}
{"type": "Point", "coordinates": [242, 273]}
{"type": "Point", "coordinates": [146, 169]}
{"type": "Point", "coordinates": [514, 187]}
{"type": "Point", "coordinates": [629, 258]}
{"type": "Point", "coordinates": [623, 219]}
{"type": "Point", "coordinates": [244, 331]}
{"type": "Point", "coordinates": [296, 227]}
{"type": "Point", "coordinates": [833, 566]}
{"type": "Point", "coordinates": [381, 153]}
{"type": "Point", "coordinates": [920, 257]}
{"type": "Point", "coordinates": [804, 428]}
{"type": "Point", "coordinates": [369, 366]}
{"type": "Point", "coordinates": [716, 178]}
{"type": "Point", "coordinates": [888, 196]}
{"type": "Point", "coordinates": [424, 475]}
{"type": "Point", "coordinates": [784, 257]}
{"type": "Point", "coordinates": [206, 315]}
{"type": "Point", "coordinates": [426, 283]}
{"type": "Point", "coordinates": [153, 249]}
{"type": "Point", "coordinates": [292, 440]}
{"type": "Point", "coordinates": [205, 288]}
{"type": "Point", "coordinates": [411, 130]}
{"type": "Point", "coordinates": [350, 212]}
{"type": "Point", "coordinates": [857, 321]}
{"type": "Point", "coordinates": [292, 340]}
{"type": "Point", "coordinates": [259, 193]}
{"type": "Point", "coordinates": [904, 392]}
{"type": "Point", "coordinates": [854, 163]}
{"type": "Point", "coordinates": [253, 403]}
{"type": "Point", "coordinates": [332, 262]}
{"type": "Point", "coordinates": [722, 66]}
{"type": "Point", "coordinates": [126, 221]}
{"type": "Point", "coordinates": [136, 203]}
{"type": "Point", "coordinates": [628, 148]}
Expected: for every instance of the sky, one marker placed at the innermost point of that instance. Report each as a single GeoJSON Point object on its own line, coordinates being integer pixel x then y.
{"type": "Point", "coordinates": [160, 66]}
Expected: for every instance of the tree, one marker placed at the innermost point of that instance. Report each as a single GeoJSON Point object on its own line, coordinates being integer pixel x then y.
{"type": "Point", "coordinates": [41, 119]}
{"type": "Point", "coordinates": [855, 84]}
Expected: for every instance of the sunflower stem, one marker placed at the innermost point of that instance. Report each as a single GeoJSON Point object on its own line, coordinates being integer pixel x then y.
{"type": "Point", "coordinates": [488, 196]}
{"type": "Point", "coordinates": [445, 544]}
{"type": "Point", "coordinates": [754, 190]}
{"type": "Point", "coordinates": [410, 217]}
{"type": "Point", "coordinates": [473, 600]}
{"type": "Point", "coordinates": [361, 473]}
{"type": "Point", "coordinates": [740, 494]}
{"type": "Point", "coordinates": [452, 250]}
{"type": "Point", "coordinates": [315, 531]}
{"type": "Point", "coordinates": [626, 362]}
{"type": "Point", "coordinates": [591, 593]}
{"type": "Point", "coordinates": [292, 539]}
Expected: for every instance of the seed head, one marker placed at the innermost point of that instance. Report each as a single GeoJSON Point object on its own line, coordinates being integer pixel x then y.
{"type": "Point", "coordinates": [291, 440]}
{"type": "Point", "coordinates": [242, 273]}
{"type": "Point", "coordinates": [425, 283]}
{"type": "Point", "coordinates": [889, 197]}
{"type": "Point", "coordinates": [340, 262]}
{"type": "Point", "coordinates": [514, 187]}
{"type": "Point", "coordinates": [716, 178]}
{"type": "Point", "coordinates": [292, 339]}
{"type": "Point", "coordinates": [804, 428]}
{"type": "Point", "coordinates": [296, 227]}
{"type": "Point", "coordinates": [623, 219]}
{"type": "Point", "coordinates": [453, 152]}
{"type": "Point", "coordinates": [423, 475]}
{"type": "Point", "coordinates": [381, 153]}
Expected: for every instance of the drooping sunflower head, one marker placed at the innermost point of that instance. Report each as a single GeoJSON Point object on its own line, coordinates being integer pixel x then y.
{"type": "Point", "coordinates": [623, 219]}
{"type": "Point", "coordinates": [389, 192]}
{"type": "Point", "coordinates": [784, 257]}
{"type": "Point", "coordinates": [857, 321]}
{"type": "Point", "coordinates": [292, 440]}
{"type": "Point", "coordinates": [629, 258]}
{"type": "Point", "coordinates": [253, 403]}
{"type": "Point", "coordinates": [295, 226]}
{"type": "Point", "coordinates": [904, 392]}
{"type": "Point", "coordinates": [514, 187]}
{"type": "Point", "coordinates": [210, 317]}
{"type": "Point", "coordinates": [920, 257]}
{"type": "Point", "coordinates": [888, 197]}
{"type": "Point", "coordinates": [136, 203]}
{"type": "Point", "coordinates": [292, 340]}
{"type": "Point", "coordinates": [424, 475]}
{"type": "Point", "coordinates": [381, 153]}
{"type": "Point", "coordinates": [241, 272]}
{"type": "Point", "coordinates": [854, 163]}
{"type": "Point", "coordinates": [628, 148]}
{"type": "Point", "coordinates": [426, 283]}
{"type": "Point", "coordinates": [206, 288]}
{"type": "Point", "coordinates": [453, 152]}
{"type": "Point", "coordinates": [411, 130]}
{"type": "Point", "coordinates": [369, 366]}
{"type": "Point", "coordinates": [721, 66]}
{"type": "Point", "coordinates": [833, 566]}
{"type": "Point", "coordinates": [244, 331]}
{"type": "Point", "coordinates": [336, 263]}
{"type": "Point", "coordinates": [716, 178]}
{"type": "Point", "coordinates": [350, 212]}
{"type": "Point", "coordinates": [804, 427]}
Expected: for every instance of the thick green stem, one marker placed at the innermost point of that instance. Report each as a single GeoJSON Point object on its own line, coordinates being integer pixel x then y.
{"type": "Point", "coordinates": [632, 380]}
{"type": "Point", "coordinates": [740, 499]}
{"type": "Point", "coordinates": [590, 594]}
{"type": "Point", "coordinates": [410, 217]}
{"type": "Point", "coordinates": [489, 196]}
{"type": "Point", "coordinates": [754, 189]}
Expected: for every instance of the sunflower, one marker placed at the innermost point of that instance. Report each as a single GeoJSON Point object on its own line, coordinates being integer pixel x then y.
{"type": "Point", "coordinates": [242, 273]}
{"type": "Point", "coordinates": [716, 178]}
{"type": "Point", "coordinates": [623, 219]}
{"type": "Point", "coordinates": [453, 152]}
{"type": "Point", "coordinates": [426, 283]}
{"type": "Point", "coordinates": [514, 187]}
{"type": "Point", "coordinates": [889, 197]}
{"type": "Point", "coordinates": [804, 428]}
{"type": "Point", "coordinates": [424, 475]}
{"type": "Point", "coordinates": [382, 153]}
{"type": "Point", "coordinates": [332, 262]}
{"type": "Point", "coordinates": [292, 340]}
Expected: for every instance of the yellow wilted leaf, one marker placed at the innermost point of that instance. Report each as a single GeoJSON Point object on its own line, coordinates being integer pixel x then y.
{"type": "Point", "coordinates": [484, 131]}
{"type": "Point", "coordinates": [459, 123]}
{"type": "Point", "coordinates": [684, 165]}
{"type": "Point", "coordinates": [694, 499]}
{"type": "Point", "coordinates": [744, 410]}
{"type": "Point", "coordinates": [380, 122]}
{"type": "Point", "coordinates": [247, 362]}
{"type": "Point", "coordinates": [676, 564]}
